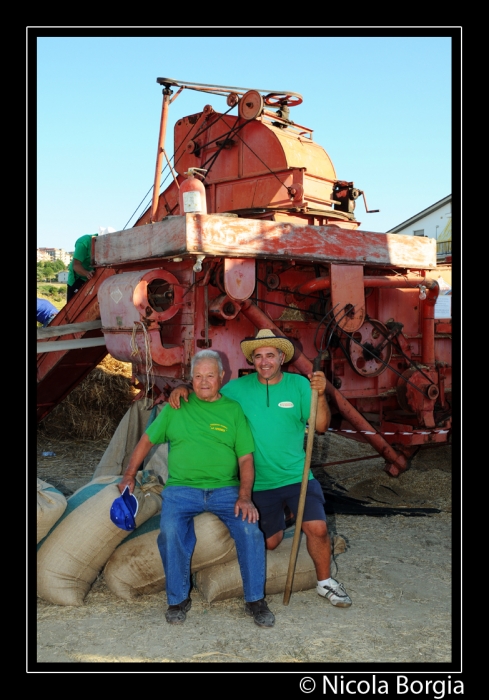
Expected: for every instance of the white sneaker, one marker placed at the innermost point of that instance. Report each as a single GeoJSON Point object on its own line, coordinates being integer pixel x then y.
{"type": "Point", "coordinates": [336, 594]}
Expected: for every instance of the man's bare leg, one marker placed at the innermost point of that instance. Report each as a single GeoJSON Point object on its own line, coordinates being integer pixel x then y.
{"type": "Point", "coordinates": [319, 547]}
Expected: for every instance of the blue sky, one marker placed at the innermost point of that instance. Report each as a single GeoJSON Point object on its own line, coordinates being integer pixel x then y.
{"type": "Point", "coordinates": [381, 105]}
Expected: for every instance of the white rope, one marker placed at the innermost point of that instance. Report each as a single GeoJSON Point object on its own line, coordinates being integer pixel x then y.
{"type": "Point", "coordinates": [369, 432]}
{"type": "Point", "coordinates": [150, 380]}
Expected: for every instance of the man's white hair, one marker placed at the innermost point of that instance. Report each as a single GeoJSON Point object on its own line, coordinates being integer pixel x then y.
{"type": "Point", "coordinates": [205, 355]}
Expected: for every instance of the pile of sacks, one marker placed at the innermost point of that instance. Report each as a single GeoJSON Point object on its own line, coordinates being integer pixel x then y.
{"type": "Point", "coordinates": [51, 504]}
{"type": "Point", "coordinates": [77, 539]}
{"type": "Point", "coordinates": [76, 548]}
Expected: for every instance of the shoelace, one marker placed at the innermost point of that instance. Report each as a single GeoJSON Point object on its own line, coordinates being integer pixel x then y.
{"type": "Point", "coordinates": [339, 589]}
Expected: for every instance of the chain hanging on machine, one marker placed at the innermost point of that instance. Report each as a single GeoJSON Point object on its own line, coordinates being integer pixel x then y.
{"type": "Point", "coordinates": [174, 165]}
{"type": "Point", "coordinates": [150, 380]}
{"type": "Point", "coordinates": [232, 131]}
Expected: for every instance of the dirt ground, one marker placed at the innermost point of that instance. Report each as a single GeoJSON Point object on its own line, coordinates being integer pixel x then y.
{"type": "Point", "coordinates": [396, 568]}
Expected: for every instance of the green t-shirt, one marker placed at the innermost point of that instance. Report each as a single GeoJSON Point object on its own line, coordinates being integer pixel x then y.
{"type": "Point", "coordinates": [206, 438]}
{"type": "Point", "coordinates": [83, 253]}
{"type": "Point", "coordinates": [278, 429]}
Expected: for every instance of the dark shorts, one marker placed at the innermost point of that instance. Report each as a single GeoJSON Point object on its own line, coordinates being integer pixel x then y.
{"type": "Point", "coordinates": [272, 502]}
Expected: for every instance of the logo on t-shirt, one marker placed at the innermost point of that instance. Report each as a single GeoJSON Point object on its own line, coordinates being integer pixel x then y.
{"type": "Point", "coordinates": [286, 404]}
{"type": "Point", "coordinates": [219, 427]}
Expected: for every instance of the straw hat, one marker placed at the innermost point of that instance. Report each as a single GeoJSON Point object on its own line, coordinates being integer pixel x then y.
{"type": "Point", "coordinates": [266, 338]}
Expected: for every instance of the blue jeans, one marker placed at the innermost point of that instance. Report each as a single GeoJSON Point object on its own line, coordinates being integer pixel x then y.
{"type": "Point", "coordinates": [176, 540]}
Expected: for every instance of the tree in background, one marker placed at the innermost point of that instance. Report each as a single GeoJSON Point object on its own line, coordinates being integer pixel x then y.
{"type": "Point", "coordinates": [47, 270]}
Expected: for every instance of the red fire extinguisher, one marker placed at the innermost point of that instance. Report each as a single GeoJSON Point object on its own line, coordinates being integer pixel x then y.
{"type": "Point", "coordinates": [192, 194]}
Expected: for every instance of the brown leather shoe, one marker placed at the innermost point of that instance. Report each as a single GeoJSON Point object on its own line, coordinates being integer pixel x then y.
{"type": "Point", "coordinates": [176, 614]}
{"type": "Point", "coordinates": [262, 616]}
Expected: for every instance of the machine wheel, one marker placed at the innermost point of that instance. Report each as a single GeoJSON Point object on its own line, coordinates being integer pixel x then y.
{"type": "Point", "coordinates": [250, 105]}
{"type": "Point", "coordinates": [366, 356]}
{"type": "Point", "coordinates": [276, 99]}
{"type": "Point", "coordinates": [232, 99]}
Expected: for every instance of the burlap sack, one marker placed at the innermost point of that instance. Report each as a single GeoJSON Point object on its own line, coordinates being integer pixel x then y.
{"type": "Point", "coordinates": [223, 581]}
{"type": "Point", "coordinates": [135, 567]}
{"type": "Point", "coordinates": [129, 431]}
{"type": "Point", "coordinates": [51, 505]}
{"type": "Point", "coordinates": [70, 558]}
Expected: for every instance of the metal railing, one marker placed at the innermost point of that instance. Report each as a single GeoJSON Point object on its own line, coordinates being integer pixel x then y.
{"type": "Point", "coordinates": [443, 248]}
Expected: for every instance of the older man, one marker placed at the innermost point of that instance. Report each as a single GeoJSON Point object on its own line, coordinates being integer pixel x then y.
{"type": "Point", "coordinates": [210, 467]}
{"type": "Point", "coordinates": [277, 406]}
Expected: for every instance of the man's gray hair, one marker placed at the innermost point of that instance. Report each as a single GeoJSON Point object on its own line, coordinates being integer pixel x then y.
{"type": "Point", "coordinates": [205, 355]}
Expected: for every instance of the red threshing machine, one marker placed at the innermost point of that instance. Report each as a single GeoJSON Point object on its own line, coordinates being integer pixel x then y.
{"type": "Point", "coordinates": [256, 231]}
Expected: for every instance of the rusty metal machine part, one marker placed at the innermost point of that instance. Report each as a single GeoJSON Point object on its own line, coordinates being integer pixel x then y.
{"type": "Point", "coordinates": [369, 351]}
{"type": "Point", "coordinates": [251, 105]}
{"type": "Point", "coordinates": [417, 391]}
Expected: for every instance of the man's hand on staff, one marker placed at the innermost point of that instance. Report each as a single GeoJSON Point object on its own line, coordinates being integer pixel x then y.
{"type": "Point", "coordinates": [318, 382]}
{"type": "Point", "coordinates": [323, 416]}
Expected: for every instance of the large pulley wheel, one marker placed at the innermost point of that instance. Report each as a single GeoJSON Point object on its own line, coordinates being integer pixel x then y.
{"type": "Point", "coordinates": [368, 349]}
{"type": "Point", "coordinates": [276, 99]}
{"type": "Point", "coordinates": [250, 105]}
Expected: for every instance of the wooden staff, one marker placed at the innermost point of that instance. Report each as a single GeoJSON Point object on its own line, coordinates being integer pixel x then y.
{"type": "Point", "coordinates": [302, 496]}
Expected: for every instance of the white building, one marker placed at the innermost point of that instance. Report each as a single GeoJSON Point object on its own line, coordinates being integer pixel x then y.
{"type": "Point", "coordinates": [63, 276]}
{"type": "Point", "coordinates": [429, 222]}
{"type": "Point", "coordinates": [433, 222]}
{"type": "Point", "coordinates": [53, 254]}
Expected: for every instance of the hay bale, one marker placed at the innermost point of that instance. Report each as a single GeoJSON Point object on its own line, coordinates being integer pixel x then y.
{"type": "Point", "coordinates": [51, 504]}
{"type": "Point", "coordinates": [135, 568]}
{"type": "Point", "coordinates": [96, 406]}
{"type": "Point", "coordinates": [70, 558]}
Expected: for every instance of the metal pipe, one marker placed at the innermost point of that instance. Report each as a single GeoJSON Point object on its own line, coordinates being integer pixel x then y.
{"type": "Point", "coordinates": [159, 155]}
{"type": "Point", "coordinates": [397, 461]}
{"type": "Point", "coordinates": [428, 287]}
{"type": "Point", "coordinates": [386, 281]}
{"type": "Point", "coordinates": [57, 345]}
{"type": "Point", "coordinates": [428, 323]}
{"type": "Point", "coordinates": [67, 329]}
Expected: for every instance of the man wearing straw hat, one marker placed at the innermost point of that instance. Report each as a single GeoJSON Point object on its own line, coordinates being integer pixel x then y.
{"type": "Point", "coordinates": [277, 406]}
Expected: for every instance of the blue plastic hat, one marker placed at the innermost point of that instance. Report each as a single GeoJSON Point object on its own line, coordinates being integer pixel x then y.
{"type": "Point", "coordinates": [124, 509]}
